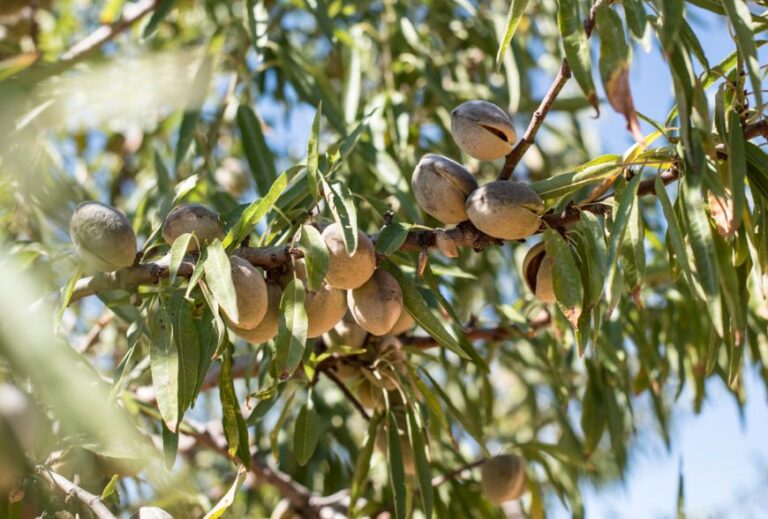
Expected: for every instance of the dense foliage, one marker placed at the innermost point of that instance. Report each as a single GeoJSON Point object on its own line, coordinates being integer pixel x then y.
{"type": "Point", "coordinates": [129, 389]}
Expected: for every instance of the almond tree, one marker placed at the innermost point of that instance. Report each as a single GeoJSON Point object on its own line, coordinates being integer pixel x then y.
{"type": "Point", "coordinates": [433, 297]}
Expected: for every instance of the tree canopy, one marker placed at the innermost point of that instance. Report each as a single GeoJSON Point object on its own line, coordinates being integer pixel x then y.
{"type": "Point", "coordinates": [236, 281]}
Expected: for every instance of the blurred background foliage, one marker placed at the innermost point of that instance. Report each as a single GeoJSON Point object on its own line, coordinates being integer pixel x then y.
{"type": "Point", "coordinates": [141, 105]}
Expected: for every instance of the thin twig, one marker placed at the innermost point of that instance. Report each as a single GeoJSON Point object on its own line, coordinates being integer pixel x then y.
{"type": "Point", "coordinates": [496, 333]}
{"type": "Point", "coordinates": [448, 476]}
{"type": "Point", "coordinates": [93, 502]}
{"type": "Point", "coordinates": [563, 75]}
{"type": "Point", "coordinates": [347, 393]}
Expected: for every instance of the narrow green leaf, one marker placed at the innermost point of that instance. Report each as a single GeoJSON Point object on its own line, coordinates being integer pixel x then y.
{"type": "Point", "coordinates": [516, 11]}
{"type": "Point", "coordinates": [339, 200]}
{"type": "Point", "coordinates": [729, 284]}
{"type": "Point", "coordinates": [704, 255]}
{"type": "Point", "coordinates": [674, 232]}
{"type": "Point", "coordinates": [615, 58]}
{"type": "Point", "coordinates": [737, 166]}
{"type": "Point", "coordinates": [363, 462]}
{"type": "Point", "coordinates": [620, 220]}
{"type": "Point", "coordinates": [306, 432]}
{"type": "Point", "coordinates": [181, 313]}
{"type": "Point", "coordinates": [164, 177]}
{"type": "Point", "coordinates": [417, 307]}
{"type": "Point", "coordinates": [757, 168]}
{"type": "Point", "coordinates": [637, 20]}
{"type": "Point", "coordinates": [232, 417]}
{"type": "Point", "coordinates": [423, 473]}
{"type": "Point", "coordinates": [178, 251]}
{"type": "Point", "coordinates": [227, 499]}
{"type": "Point", "coordinates": [468, 425]}
{"type": "Point", "coordinates": [316, 256]}
{"type": "Point", "coordinates": [576, 48]}
{"type": "Point", "coordinates": [391, 238]}
{"type": "Point", "coordinates": [170, 447]}
{"type": "Point", "coordinates": [633, 250]}
{"type": "Point", "coordinates": [566, 183]}
{"type": "Point", "coordinates": [164, 367]}
{"type": "Point", "coordinates": [275, 432]}
{"type": "Point", "coordinates": [211, 333]}
{"type": "Point", "coordinates": [218, 276]}
{"type": "Point", "coordinates": [396, 469]}
{"type": "Point", "coordinates": [593, 419]}
{"type": "Point", "coordinates": [162, 10]}
{"type": "Point", "coordinates": [312, 154]}
{"type": "Point", "coordinates": [566, 277]}
{"type": "Point", "coordinates": [186, 134]}
{"type": "Point", "coordinates": [292, 330]}
{"type": "Point", "coordinates": [260, 159]}
{"type": "Point", "coordinates": [671, 18]}
{"type": "Point", "coordinates": [253, 214]}
{"type": "Point", "coordinates": [65, 296]}
{"type": "Point", "coordinates": [741, 19]}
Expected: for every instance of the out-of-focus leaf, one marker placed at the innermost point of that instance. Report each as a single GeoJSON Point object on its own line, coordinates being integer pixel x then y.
{"type": "Point", "coordinates": [671, 18]}
{"type": "Point", "coordinates": [292, 330]}
{"type": "Point", "coordinates": [396, 468]}
{"type": "Point", "coordinates": [391, 238]}
{"type": "Point", "coordinates": [458, 415]}
{"type": "Point", "coordinates": [363, 462]}
{"type": "Point", "coordinates": [315, 256]}
{"type": "Point", "coordinates": [227, 499]}
{"type": "Point", "coordinates": [417, 307]}
{"type": "Point", "coordinates": [170, 446]}
{"type": "Point", "coordinates": [741, 19]}
{"type": "Point", "coordinates": [757, 168]}
{"type": "Point", "coordinates": [312, 155]}
{"type": "Point", "coordinates": [593, 420]}
{"type": "Point", "coordinates": [260, 159]}
{"type": "Point", "coordinates": [164, 366]}
{"type": "Point", "coordinates": [218, 276]}
{"type": "Point", "coordinates": [162, 10]}
{"type": "Point", "coordinates": [186, 133]}
{"type": "Point", "coordinates": [306, 432]}
{"type": "Point", "coordinates": [13, 65]}
{"type": "Point", "coordinates": [615, 58]}
{"type": "Point", "coordinates": [637, 20]}
{"type": "Point", "coordinates": [516, 11]}
{"type": "Point", "coordinates": [680, 508]}
{"type": "Point", "coordinates": [339, 200]}
{"type": "Point", "coordinates": [422, 463]}
{"type": "Point", "coordinates": [275, 433]}
{"type": "Point", "coordinates": [566, 278]}
{"type": "Point", "coordinates": [255, 212]}
{"type": "Point", "coordinates": [693, 44]}
{"type": "Point", "coordinates": [576, 48]}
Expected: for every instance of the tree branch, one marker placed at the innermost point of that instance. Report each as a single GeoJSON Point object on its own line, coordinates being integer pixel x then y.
{"type": "Point", "coordinates": [82, 49]}
{"type": "Point", "coordinates": [93, 502]}
{"type": "Point", "coordinates": [563, 75]}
